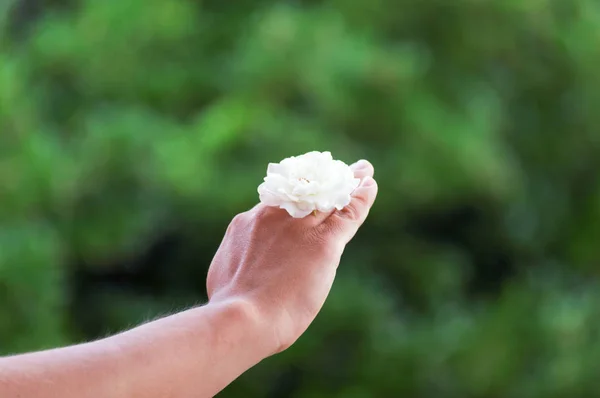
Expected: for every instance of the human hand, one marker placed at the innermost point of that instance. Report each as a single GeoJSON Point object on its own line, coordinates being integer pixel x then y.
{"type": "Point", "coordinates": [284, 267]}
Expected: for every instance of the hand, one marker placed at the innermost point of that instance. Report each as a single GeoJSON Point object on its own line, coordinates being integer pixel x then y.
{"type": "Point", "coordinates": [284, 267]}
{"type": "Point", "coordinates": [266, 284]}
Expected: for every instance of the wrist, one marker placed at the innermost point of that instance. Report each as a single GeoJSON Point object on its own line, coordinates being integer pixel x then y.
{"type": "Point", "coordinates": [216, 343]}
{"type": "Point", "coordinates": [248, 325]}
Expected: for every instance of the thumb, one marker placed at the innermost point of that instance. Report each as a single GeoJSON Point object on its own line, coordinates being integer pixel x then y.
{"type": "Point", "coordinates": [346, 222]}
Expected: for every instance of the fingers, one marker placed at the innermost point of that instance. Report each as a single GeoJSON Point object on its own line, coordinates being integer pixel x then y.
{"type": "Point", "coordinates": [347, 221]}
{"type": "Point", "coordinates": [362, 200]}
{"type": "Point", "coordinates": [362, 169]}
{"type": "Point", "coordinates": [364, 195]}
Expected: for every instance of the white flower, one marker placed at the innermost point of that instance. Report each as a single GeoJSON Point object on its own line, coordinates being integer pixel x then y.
{"type": "Point", "coordinates": [307, 183]}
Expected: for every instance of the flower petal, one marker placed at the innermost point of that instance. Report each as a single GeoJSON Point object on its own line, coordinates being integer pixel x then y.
{"type": "Point", "coordinates": [313, 181]}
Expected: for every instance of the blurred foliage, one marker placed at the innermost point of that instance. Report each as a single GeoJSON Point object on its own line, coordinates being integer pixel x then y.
{"type": "Point", "coordinates": [132, 131]}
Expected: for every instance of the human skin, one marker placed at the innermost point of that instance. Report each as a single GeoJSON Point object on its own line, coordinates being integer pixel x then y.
{"type": "Point", "coordinates": [266, 284]}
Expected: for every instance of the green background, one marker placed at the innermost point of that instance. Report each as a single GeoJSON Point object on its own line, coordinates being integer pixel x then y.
{"type": "Point", "coordinates": [132, 131]}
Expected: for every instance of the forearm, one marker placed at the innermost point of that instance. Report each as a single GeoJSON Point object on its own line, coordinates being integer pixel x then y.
{"type": "Point", "coordinates": [195, 353]}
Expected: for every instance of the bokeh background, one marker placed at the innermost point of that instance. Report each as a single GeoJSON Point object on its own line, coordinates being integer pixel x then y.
{"type": "Point", "coordinates": [132, 131]}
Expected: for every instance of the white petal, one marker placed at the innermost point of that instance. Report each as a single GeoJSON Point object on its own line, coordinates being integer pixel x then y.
{"type": "Point", "coordinates": [313, 181]}
{"type": "Point", "coordinates": [325, 207]}
{"type": "Point", "coordinates": [269, 199]}
{"type": "Point", "coordinates": [294, 211]}
{"type": "Point", "coordinates": [276, 168]}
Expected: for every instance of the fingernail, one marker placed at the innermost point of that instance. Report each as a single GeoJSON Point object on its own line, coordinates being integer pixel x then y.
{"type": "Point", "coordinates": [368, 181]}
{"type": "Point", "coordinates": [361, 164]}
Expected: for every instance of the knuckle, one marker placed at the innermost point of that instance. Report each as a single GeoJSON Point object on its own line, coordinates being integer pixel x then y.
{"type": "Point", "coordinates": [330, 228]}
{"type": "Point", "coordinates": [353, 211]}
{"type": "Point", "coordinates": [262, 212]}
{"type": "Point", "coordinates": [316, 238]}
{"type": "Point", "coordinates": [322, 241]}
{"type": "Point", "coordinates": [239, 220]}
